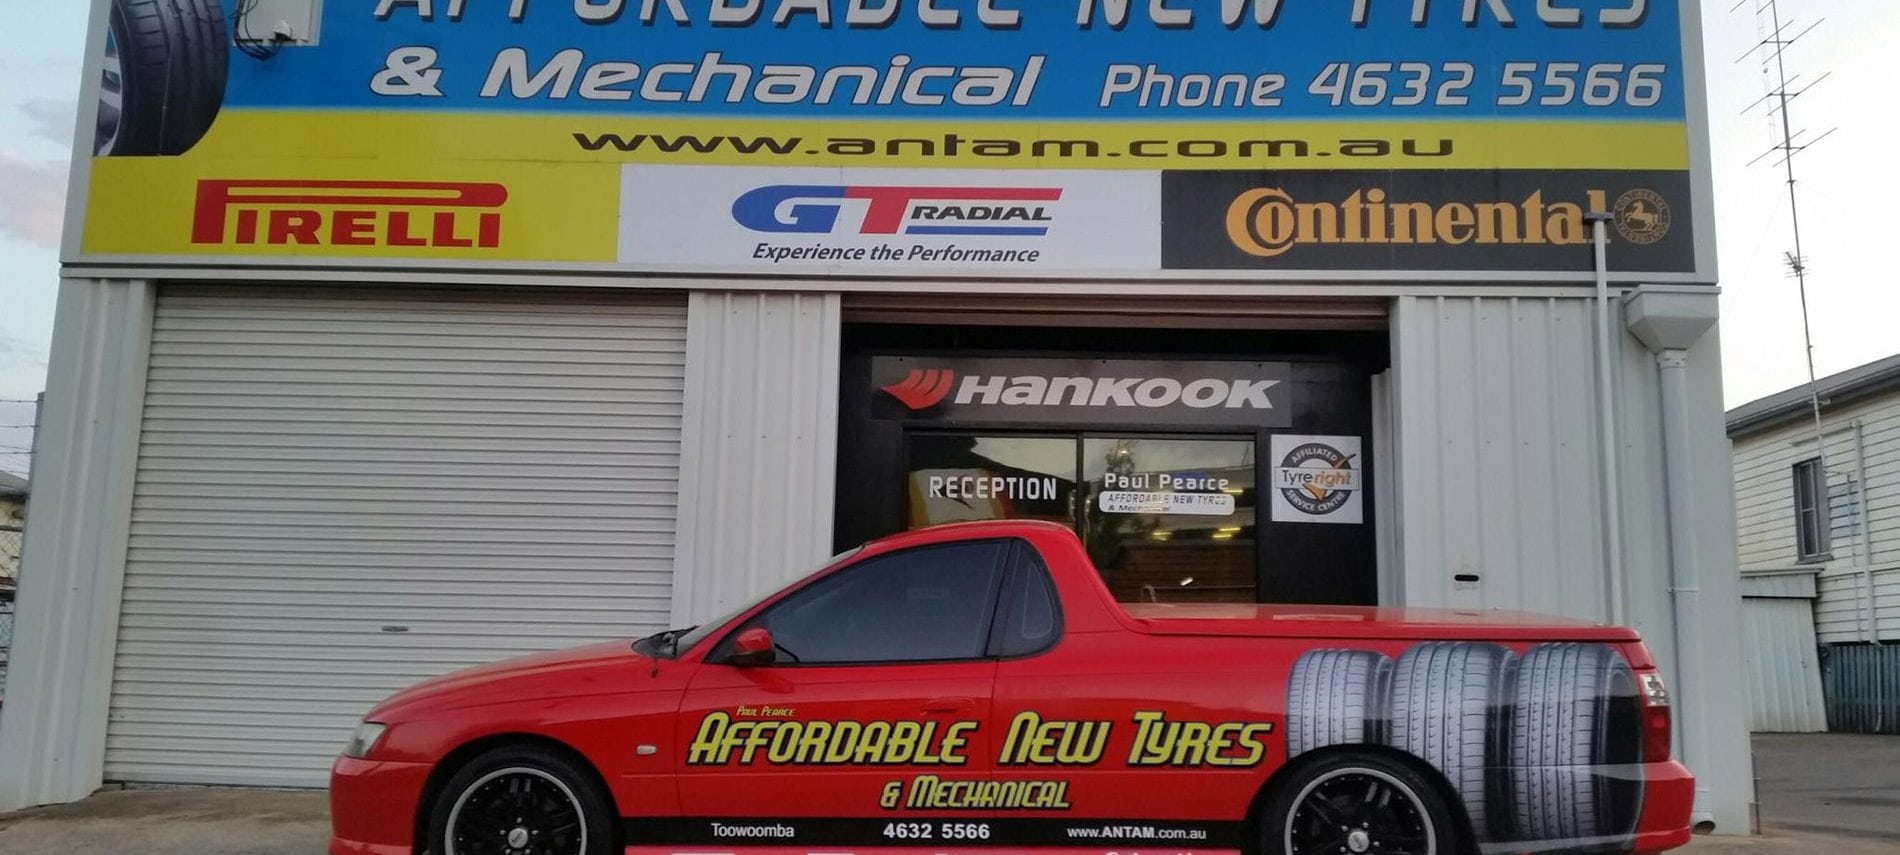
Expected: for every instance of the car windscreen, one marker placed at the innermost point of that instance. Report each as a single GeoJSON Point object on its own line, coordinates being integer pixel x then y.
{"type": "Point", "coordinates": [699, 633]}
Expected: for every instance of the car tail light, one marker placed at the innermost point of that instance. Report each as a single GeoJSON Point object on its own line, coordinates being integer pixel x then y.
{"type": "Point", "coordinates": [1656, 725]}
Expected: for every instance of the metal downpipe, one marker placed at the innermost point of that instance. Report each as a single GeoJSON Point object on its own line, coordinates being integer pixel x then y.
{"type": "Point", "coordinates": [1685, 590]}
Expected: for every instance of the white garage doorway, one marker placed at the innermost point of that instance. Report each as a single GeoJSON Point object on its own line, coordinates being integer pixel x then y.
{"type": "Point", "coordinates": [342, 491]}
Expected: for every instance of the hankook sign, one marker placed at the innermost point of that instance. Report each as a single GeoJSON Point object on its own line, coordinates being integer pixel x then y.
{"type": "Point", "coordinates": [1130, 392]}
{"type": "Point", "coordinates": [1069, 139]}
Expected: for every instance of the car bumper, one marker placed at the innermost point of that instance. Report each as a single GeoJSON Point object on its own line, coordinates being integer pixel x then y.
{"type": "Point", "coordinates": [1668, 799]}
{"type": "Point", "coordinates": [373, 806]}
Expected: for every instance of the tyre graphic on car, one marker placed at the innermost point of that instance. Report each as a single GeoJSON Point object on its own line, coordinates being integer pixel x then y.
{"type": "Point", "coordinates": [161, 82]}
{"type": "Point", "coordinates": [1541, 746]}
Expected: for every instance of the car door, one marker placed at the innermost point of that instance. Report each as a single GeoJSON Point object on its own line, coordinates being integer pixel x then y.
{"type": "Point", "coordinates": [876, 703]}
{"type": "Point", "coordinates": [1150, 741]}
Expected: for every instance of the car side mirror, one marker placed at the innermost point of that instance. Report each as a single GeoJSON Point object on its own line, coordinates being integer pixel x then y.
{"type": "Point", "coordinates": [753, 647]}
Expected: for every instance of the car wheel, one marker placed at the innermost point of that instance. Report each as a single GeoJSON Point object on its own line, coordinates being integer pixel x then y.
{"type": "Point", "coordinates": [162, 81]}
{"type": "Point", "coordinates": [1333, 699]}
{"type": "Point", "coordinates": [1356, 802]}
{"type": "Point", "coordinates": [1574, 710]}
{"type": "Point", "coordinates": [523, 801]}
{"type": "Point", "coordinates": [1442, 699]}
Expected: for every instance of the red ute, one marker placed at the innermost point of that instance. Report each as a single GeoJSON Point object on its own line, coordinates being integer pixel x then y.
{"type": "Point", "coordinates": [976, 689]}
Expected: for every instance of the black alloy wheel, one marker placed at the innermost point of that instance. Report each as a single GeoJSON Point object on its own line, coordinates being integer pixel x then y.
{"type": "Point", "coordinates": [522, 801]}
{"type": "Point", "coordinates": [1359, 804]}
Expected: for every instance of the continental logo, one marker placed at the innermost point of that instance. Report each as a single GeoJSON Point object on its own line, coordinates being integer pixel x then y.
{"type": "Point", "coordinates": [422, 214]}
{"type": "Point", "coordinates": [1269, 222]}
{"type": "Point", "coordinates": [1642, 217]}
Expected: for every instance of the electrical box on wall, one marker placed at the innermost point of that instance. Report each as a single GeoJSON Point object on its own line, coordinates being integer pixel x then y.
{"type": "Point", "coordinates": [279, 22]}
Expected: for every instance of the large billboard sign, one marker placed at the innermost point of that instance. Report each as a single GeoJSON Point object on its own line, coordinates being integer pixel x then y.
{"type": "Point", "coordinates": [1455, 140]}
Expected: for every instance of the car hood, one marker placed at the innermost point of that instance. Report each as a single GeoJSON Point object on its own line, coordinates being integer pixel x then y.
{"type": "Point", "coordinates": [574, 671]}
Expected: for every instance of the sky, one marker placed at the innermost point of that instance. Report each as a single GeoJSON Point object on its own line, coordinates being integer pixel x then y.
{"type": "Point", "coordinates": [1846, 183]}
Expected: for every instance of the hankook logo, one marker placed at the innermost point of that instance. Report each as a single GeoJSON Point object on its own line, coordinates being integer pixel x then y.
{"type": "Point", "coordinates": [926, 387]}
{"type": "Point", "coordinates": [923, 388]}
{"type": "Point", "coordinates": [1126, 392]}
{"type": "Point", "coordinates": [1269, 221]}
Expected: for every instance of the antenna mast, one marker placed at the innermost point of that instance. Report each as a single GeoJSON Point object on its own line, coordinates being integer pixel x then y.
{"type": "Point", "coordinates": [1773, 47]}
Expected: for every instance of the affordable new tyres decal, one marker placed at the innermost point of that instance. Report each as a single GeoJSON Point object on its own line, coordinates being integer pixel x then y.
{"type": "Point", "coordinates": [519, 92]}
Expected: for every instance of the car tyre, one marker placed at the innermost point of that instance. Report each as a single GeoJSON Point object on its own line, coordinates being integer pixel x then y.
{"type": "Point", "coordinates": [1573, 710]}
{"type": "Point", "coordinates": [1333, 698]}
{"type": "Point", "coordinates": [1443, 695]}
{"type": "Point", "coordinates": [1358, 802]}
{"type": "Point", "coordinates": [524, 798]}
{"type": "Point", "coordinates": [163, 79]}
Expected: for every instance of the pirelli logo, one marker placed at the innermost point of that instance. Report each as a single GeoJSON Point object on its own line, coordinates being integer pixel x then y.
{"type": "Point", "coordinates": [422, 214]}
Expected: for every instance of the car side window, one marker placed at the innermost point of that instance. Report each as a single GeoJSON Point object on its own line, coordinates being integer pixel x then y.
{"type": "Point", "coordinates": [928, 604]}
{"type": "Point", "coordinates": [1029, 617]}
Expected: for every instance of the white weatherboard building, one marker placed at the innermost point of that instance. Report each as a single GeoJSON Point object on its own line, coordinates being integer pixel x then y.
{"type": "Point", "coordinates": [1820, 549]}
{"type": "Point", "coordinates": [327, 415]}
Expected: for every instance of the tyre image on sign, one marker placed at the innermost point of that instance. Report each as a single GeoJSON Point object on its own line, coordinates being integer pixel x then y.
{"type": "Point", "coordinates": [162, 79]}
{"type": "Point", "coordinates": [1442, 700]}
{"type": "Point", "coordinates": [1572, 708]}
{"type": "Point", "coordinates": [1335, 697]}
{"type": "Point", "coordinates": [1534, 746]}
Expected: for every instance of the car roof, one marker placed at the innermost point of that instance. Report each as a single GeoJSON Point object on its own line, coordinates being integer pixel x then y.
{"type": "Point", "coordinates": [976, 530]}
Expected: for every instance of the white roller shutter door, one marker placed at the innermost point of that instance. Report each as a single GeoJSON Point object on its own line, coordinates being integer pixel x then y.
{"type": "Point", "coordinates": [342, 492]}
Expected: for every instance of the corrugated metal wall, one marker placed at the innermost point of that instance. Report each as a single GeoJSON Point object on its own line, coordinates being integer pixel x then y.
{"type": "Point", "coordinates": [1496, 437]}
{"type": "Point", "coordinates": [340, 493]}
{"type": "Point", "coordinates": [760, 455]}
{"type": "Point", "coordinates": [1783, 667]}
{"type": "Point", "coordinates": [1863, 687]}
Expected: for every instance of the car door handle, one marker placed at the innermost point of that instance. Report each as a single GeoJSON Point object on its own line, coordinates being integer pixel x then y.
{"type": "Point", "coordinates": [949, 705]}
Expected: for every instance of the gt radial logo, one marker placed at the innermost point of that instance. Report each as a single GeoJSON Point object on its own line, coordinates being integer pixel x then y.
{"type": "Point", "coordinates": [923, 388]}
{"type": "Point", "coordinates": [942, 211]}
{"type": "Point", "coordinates": [434, 214]}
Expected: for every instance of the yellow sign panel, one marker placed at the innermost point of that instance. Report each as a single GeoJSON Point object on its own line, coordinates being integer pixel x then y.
{"type": "Point", "coordinates": [352, 208]}
{"type": "Point", "coordinates": [1280, 144]}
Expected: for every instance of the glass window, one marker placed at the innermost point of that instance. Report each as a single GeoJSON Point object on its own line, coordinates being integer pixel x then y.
{"type": "Point", "coordinates": [931, 603]}
{"type": "Point", "coordinates": [1811, 515]}
{"type": "Point", "coordinates": [959, 478]}
{"type": "Point", "coordinates": [1171, 520]}
{"type": "Point", "coordinates": [1031, 618]}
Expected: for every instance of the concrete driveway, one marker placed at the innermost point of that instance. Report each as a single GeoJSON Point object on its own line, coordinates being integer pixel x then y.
{"type": "Point", "coordinates": [1820, 795]}
{"type": "Point", "coordinates": [173, 822]}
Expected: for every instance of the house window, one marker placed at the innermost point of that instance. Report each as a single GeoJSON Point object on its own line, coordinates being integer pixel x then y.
{"type": "Point", "coordinates": [1811, 518]}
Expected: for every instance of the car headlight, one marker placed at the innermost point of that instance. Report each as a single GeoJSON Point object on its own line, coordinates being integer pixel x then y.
{"type": "Point", "coordinates": [364, 739]}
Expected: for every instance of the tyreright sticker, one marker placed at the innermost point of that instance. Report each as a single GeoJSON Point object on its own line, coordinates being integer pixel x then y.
{"type": "Point", "coordinates": [1317, 479]}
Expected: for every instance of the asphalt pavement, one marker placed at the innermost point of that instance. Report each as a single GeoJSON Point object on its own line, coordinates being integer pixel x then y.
{"type": "Point", "coordinates": [1820, 795]}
